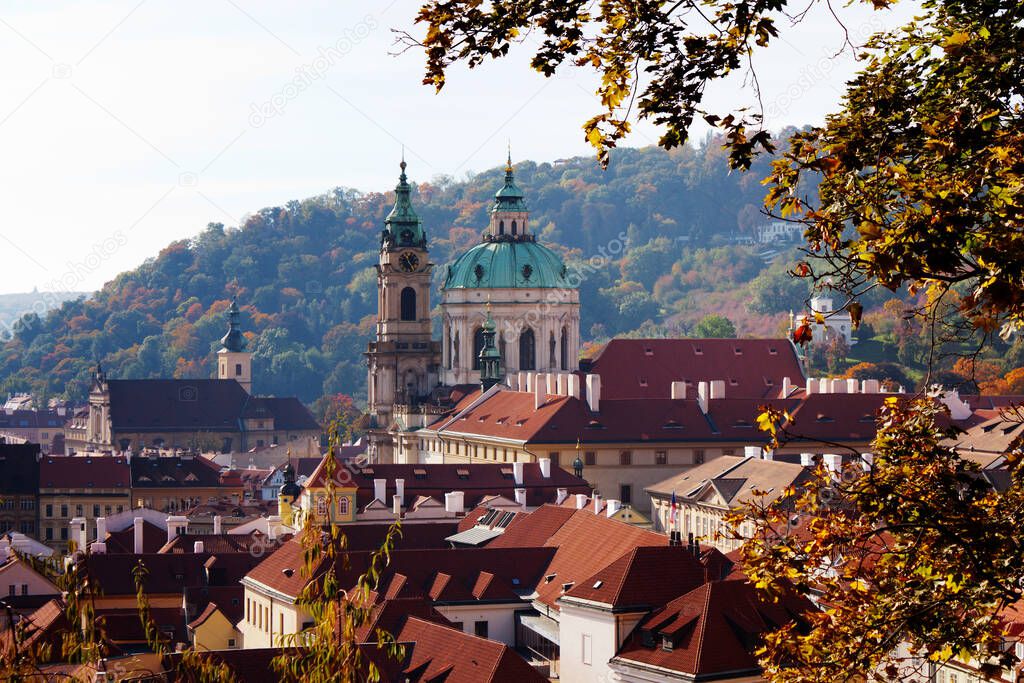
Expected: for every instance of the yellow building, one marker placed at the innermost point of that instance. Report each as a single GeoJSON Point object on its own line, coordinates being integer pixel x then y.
{"type": "Point", "coordinates": [213, 630]}
{"type": "Point", "coordinates": [80, 487]}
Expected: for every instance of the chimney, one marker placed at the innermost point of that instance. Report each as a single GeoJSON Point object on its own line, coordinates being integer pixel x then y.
{"type": "Point", "coordinates": [538, 390]}
{"type": "Point", "coordinates": [838, 386]}
{"type": "Point", "coordinates": [702, 396]}
{"type": "Point", "coordinates": [526, 382]}
{"type": "Point", "coordinates": [824, 386]}
{"type": "Point", "coordinates": [517, 473]}
{"type": "Point", "coordinates": [273, 526]}
{"type": "Point", "coordinates": [751, 451]}
{"type": "Point", "coordinates": [870, 386]}
{"type": "Point", "coordinates": [521, 497]}
{"type": "Point", "coordinates": [98, 548]}
{"type": "Point", "coordinates": [513, 382]}
{"type": "Point", "coordinates": [400, 490]}
{"type": "Point", "coordinates": [581, 501]}
{"type": "Point", "coordinates": [807, 459]}
{"type": "Point", "coordinates": [176, 525]}
{"type": "Point", "coordinates": [851, 386]}
{"type": "Point", "coordinates": [453, 502]}
{"type": "Point", "coordinates": [787, 386]}
{"type": "Point", "coordinates": [717, 388]}
{"type": "Point", "coordinates": [678, 390]}
{"type": "Point", "coordinates": [78, 527]}
{"type": "Point", "coordinates": [867, 460]}
{"type": "Point", "coordinates": [396, 505]}
{"type": "Point", "coordinates": [380, 490]}
{"type": "Point", "coordinates": [594, 393]}
{"type": "Point", "coordinates": [597, 503]}
{"type": "Point", "coordinates": [613, 506]}
{"type": "Point", "coordinates": [101, 529]}
{"type": "Point", "coordinates": [574, 386]}
{"type": "Point", "coordinates": [834, 463]}
{"type": "Point", "coordinates": [217, 521]}
{"type": "Point", "coordinates": [562, 495]}
{"type": "Point", "coordinates": [560, 384]}
{"type": "Point", "coordinates": [811, 387]}
{"type": "Point", "coordinates": [198, 548]}
{"type": "Point", "coordinates": [552, 383]}
{"type": "Point", "coordinates": [769, 454]}
{"type": "Point", "coordinates": [545, 467]}
{"type": "Point", "coordinates": [138, 535]}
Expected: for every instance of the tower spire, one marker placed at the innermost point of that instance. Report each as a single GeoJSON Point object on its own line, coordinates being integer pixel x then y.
{"type": "Point", "coordinates": [490, 358]}
{"type": "Point", "coordinates": [233, 340]}
{"type": "Point", "coordinates": [402, 227]}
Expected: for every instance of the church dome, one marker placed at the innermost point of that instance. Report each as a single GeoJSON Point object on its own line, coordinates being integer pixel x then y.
{"type": "Point", "coordinates": [506, 264]}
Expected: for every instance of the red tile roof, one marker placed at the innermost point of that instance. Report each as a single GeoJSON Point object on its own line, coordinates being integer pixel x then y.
{"type": "Point", "coordinates": [122, 542]}
{"type": "Point", "coordinates": [714, 628]}
{"type": "Point", "coordinates": [78, 472]}
{"type": "Point", "coordinates": [167, 573]}
{"type": "Point", "coordinates": [646, 368]}
{"type": "Point", "coordinates": [644, 577]}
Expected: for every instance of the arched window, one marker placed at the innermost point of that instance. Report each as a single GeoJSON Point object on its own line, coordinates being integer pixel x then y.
{"type": "Point", "coordinates": [513, 227]}
{"type": "Point", "coordinates": [343, 506]}
{"type": "Point", "coordinates": [551, 351]}
{"type": "Point", "coordinates": [478, 345]}
{"type": "Point", "coordinates": [455, 351]}
{"type": "Point", "coordinates": [527, 350]}
{"type": "Point", "coordinates": [408, 304]}
{"type": "Point", "coordinates": [451, 348]}
{"type": "Point", "coordinates": [501, 227]}
{"type": "Point", "coordinates": [565, 348]}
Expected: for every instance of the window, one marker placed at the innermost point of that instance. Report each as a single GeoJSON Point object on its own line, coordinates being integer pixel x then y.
{"type": "Point", "coordinates": [501, 227]}
{"type": "Point", "coordinates": [120, 508]}
{"type": "Point", "coordinates": [321, 506]}
{"type": "Point", "coordinates": [626, 457]}
{"type": "Point", "coordinates": [408, 304]}
{"type": "Point", "coordinates": [79, 510]}
{"type": "Point", "coordinates": [63, 533]}
{"type": "Point", "coordinates": [95, 510]}
{"type": "Point", "coordinates": [478, 345]}
{"type": "Point", "coordinates": [513, 227]}
{"type": "Point", "coordinates": [554, 459]}
{"type": "Point", "coordinates": [28, 528]}
{"type": "Point", "coordinates": [626, 493]}
{"type": "Point", "coordinates": [238, 369]}
{"type": "Point", "coordinates": [698, 456]}
{"type": "Point", "coordinates": [660, 457]}
{"type": "Point", "coordinates": [49, 511]}
{"type": "Point", "coordinates": [480, 628]}
{"type": "Point", "coordinates": [231, 642]}
{"type": "Point", "coordinates": [343, 506]}
{"type": "Point", "coordinates": [552, 345]}
{"type": "Point", "coordinates": [49, 533]}
{"type": "Point", "coordinates": [527, 350]}
{"type": "Point", "coordinates": [11, 590]}
{"type": "Point", "coordinates": [28, 504]}
{"type": "Point", "coordinates": [587, 649]}
{"type": "Point", "coordinates": [64, 511]}
{"type": "Point", "coordinates": [589, 458]}
{"type": "Point", "coordinates": [565, 348]}
{"type": "Point", "coordinates": [458, 625]}
{"type": "Point", "coordinates": [24, 589]}
{"type": "Point", "coordinates": [248, 610]}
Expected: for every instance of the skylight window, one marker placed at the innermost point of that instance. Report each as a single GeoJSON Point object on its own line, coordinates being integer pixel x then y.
{"type": "Point", "coordinates": [598, 583]}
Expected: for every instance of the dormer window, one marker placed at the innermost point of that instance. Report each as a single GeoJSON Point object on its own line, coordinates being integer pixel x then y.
{"type": "Point", "coordinates": [666, 644]}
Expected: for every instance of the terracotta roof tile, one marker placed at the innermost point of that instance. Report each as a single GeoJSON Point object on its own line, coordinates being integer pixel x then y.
{"type": "Point", "coordinates": [644, 577]}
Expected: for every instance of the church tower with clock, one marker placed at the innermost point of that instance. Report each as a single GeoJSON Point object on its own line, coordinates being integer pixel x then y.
{"type": "Point", "coordinates": [402, 360]}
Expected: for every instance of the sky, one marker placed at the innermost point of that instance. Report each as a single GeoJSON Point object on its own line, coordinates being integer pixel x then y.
{"type": "Point", "coordinates": [126, 125]}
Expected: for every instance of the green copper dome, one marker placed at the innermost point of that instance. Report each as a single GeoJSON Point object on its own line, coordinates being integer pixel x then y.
{"type": "Point", "coordinates": [509, 197]}
{"type": "Point", "coordinates": [402, 227]}
{"type": "Point", "coordinates": [233, 340]}
{"type": "Point", "coordinates": [504, 264]}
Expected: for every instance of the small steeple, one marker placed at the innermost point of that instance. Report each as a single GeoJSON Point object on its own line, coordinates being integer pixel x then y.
{"type": "Point", "coordinates": [490, 358]}
{"type": "Point", "coordinates": [233, 340]}
{"type": "Point", "coordinates": [402, 227]}
{"type": "Point", "coordinates": [509, 197]}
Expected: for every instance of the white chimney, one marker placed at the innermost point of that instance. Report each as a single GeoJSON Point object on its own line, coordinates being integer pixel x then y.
{"type": "Point", "coordinates": [824, 385]}
{"type": "Point", "coordinates": [594, 393]}
{"type": "Point", "coordinates": [807, 459]}
{"type": "Point", "coordinates": [867, 460]}
{"type": "Point", "coordinates": [581, 501]}
{"type": "Point", "coordinates": [851, 386]}
{"type": "Point", "coordinates": [138, 535]}
{"type": "Point", "coordinates": [526, 382]}
{"type": "Point", "coordinates": [597, 504]}
{"type": "Point", "coordinates": [678, 390]}
{"type": "Point", "coordinates": [513, 382]}
{"type": "Point", "coordinates": [768, 454]}
{"type": "Point", "coordinates": [521, 497]}
{"type": "Point", "coordinates": [574, 386]}
{"type": "Point", "coordinates": [811, 387]}
{"type": "Point", "coordinates": [98, 548]}
{"type": "Point", "coordinates": [517, 473]}
{"type": "Point", "coordinates": [217, 522]}
{"type": "Point", "coordinates": [834, 463]}
{"type": "Point", "coordinates": [562, 495]}
{"type": "Point", "coordinates": [176, 525]}
{"type": "Point", "coordinates": [838, 386]}
{"type": "Point", "coordinates": [273, 526]}
{"type": "Point", "coordinates": [717, 388]}
{"type": "Point", "coordinates": [552, 383]}
{"type": "Point", "coordinates": [198, 547]}
{"type": "Point", "coordinates": [787, 386]}
{"type": "Point", "coordinates": [751, 451]}
{"type": "Point", "coordinates": [396, 505]}
{"type": "Point", "coordinates": [560, 384]}
{"type": "Point", "coordinates": [613, 506]}
{"type": "Point", "coordinates": [78, 527]}
{"type": "Point", "coordinates": [538, 390]}
{"type": "Point", "coordinates": [702, 396]}
{"type": "Point", "coordinates": [453, 502]}
{"type": "Point", "coordinates": [400, 490]}
{"type": "Point", "coordinates": [380, 489]}
{"type": "Point", "coordinates": [101, 529]}
{"type": "Point", "coordinates": [545, 467]}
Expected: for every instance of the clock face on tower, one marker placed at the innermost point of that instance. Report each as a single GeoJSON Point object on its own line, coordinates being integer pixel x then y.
{"type": "Point", "coordinates": [408, 261]}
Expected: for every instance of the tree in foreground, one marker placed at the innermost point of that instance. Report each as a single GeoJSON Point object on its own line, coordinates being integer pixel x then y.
{"type": "Point", "coordinates": [915, 182]}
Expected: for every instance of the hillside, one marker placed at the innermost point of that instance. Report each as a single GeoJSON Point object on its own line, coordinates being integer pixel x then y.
{"type": "Point", "coordinates": [302, 273]}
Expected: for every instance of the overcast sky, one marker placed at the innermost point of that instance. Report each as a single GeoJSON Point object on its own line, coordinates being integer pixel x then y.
{"type": "Point", "coordinates": [124, 125]}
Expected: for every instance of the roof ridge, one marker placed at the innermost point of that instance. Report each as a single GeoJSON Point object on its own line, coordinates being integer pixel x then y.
{"type": "Point", "coordinates": [702, 625]}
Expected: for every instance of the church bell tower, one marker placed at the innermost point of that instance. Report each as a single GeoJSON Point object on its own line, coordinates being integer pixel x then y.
{"type": "Point", "coordinates": [402, 360]}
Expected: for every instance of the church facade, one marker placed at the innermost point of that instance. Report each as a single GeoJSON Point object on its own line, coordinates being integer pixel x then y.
{"type": "Point", "coordinates": [509, 289]}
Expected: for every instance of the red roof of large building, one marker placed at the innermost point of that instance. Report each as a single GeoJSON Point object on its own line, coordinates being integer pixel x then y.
{"type": "Point", "coordinates": [646, 368]}
{"type": "Point", "coordinates": [77, 472]}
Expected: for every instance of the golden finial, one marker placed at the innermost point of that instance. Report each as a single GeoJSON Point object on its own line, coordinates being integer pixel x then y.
{"type": "Point", "coordinates": [508, 163]}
